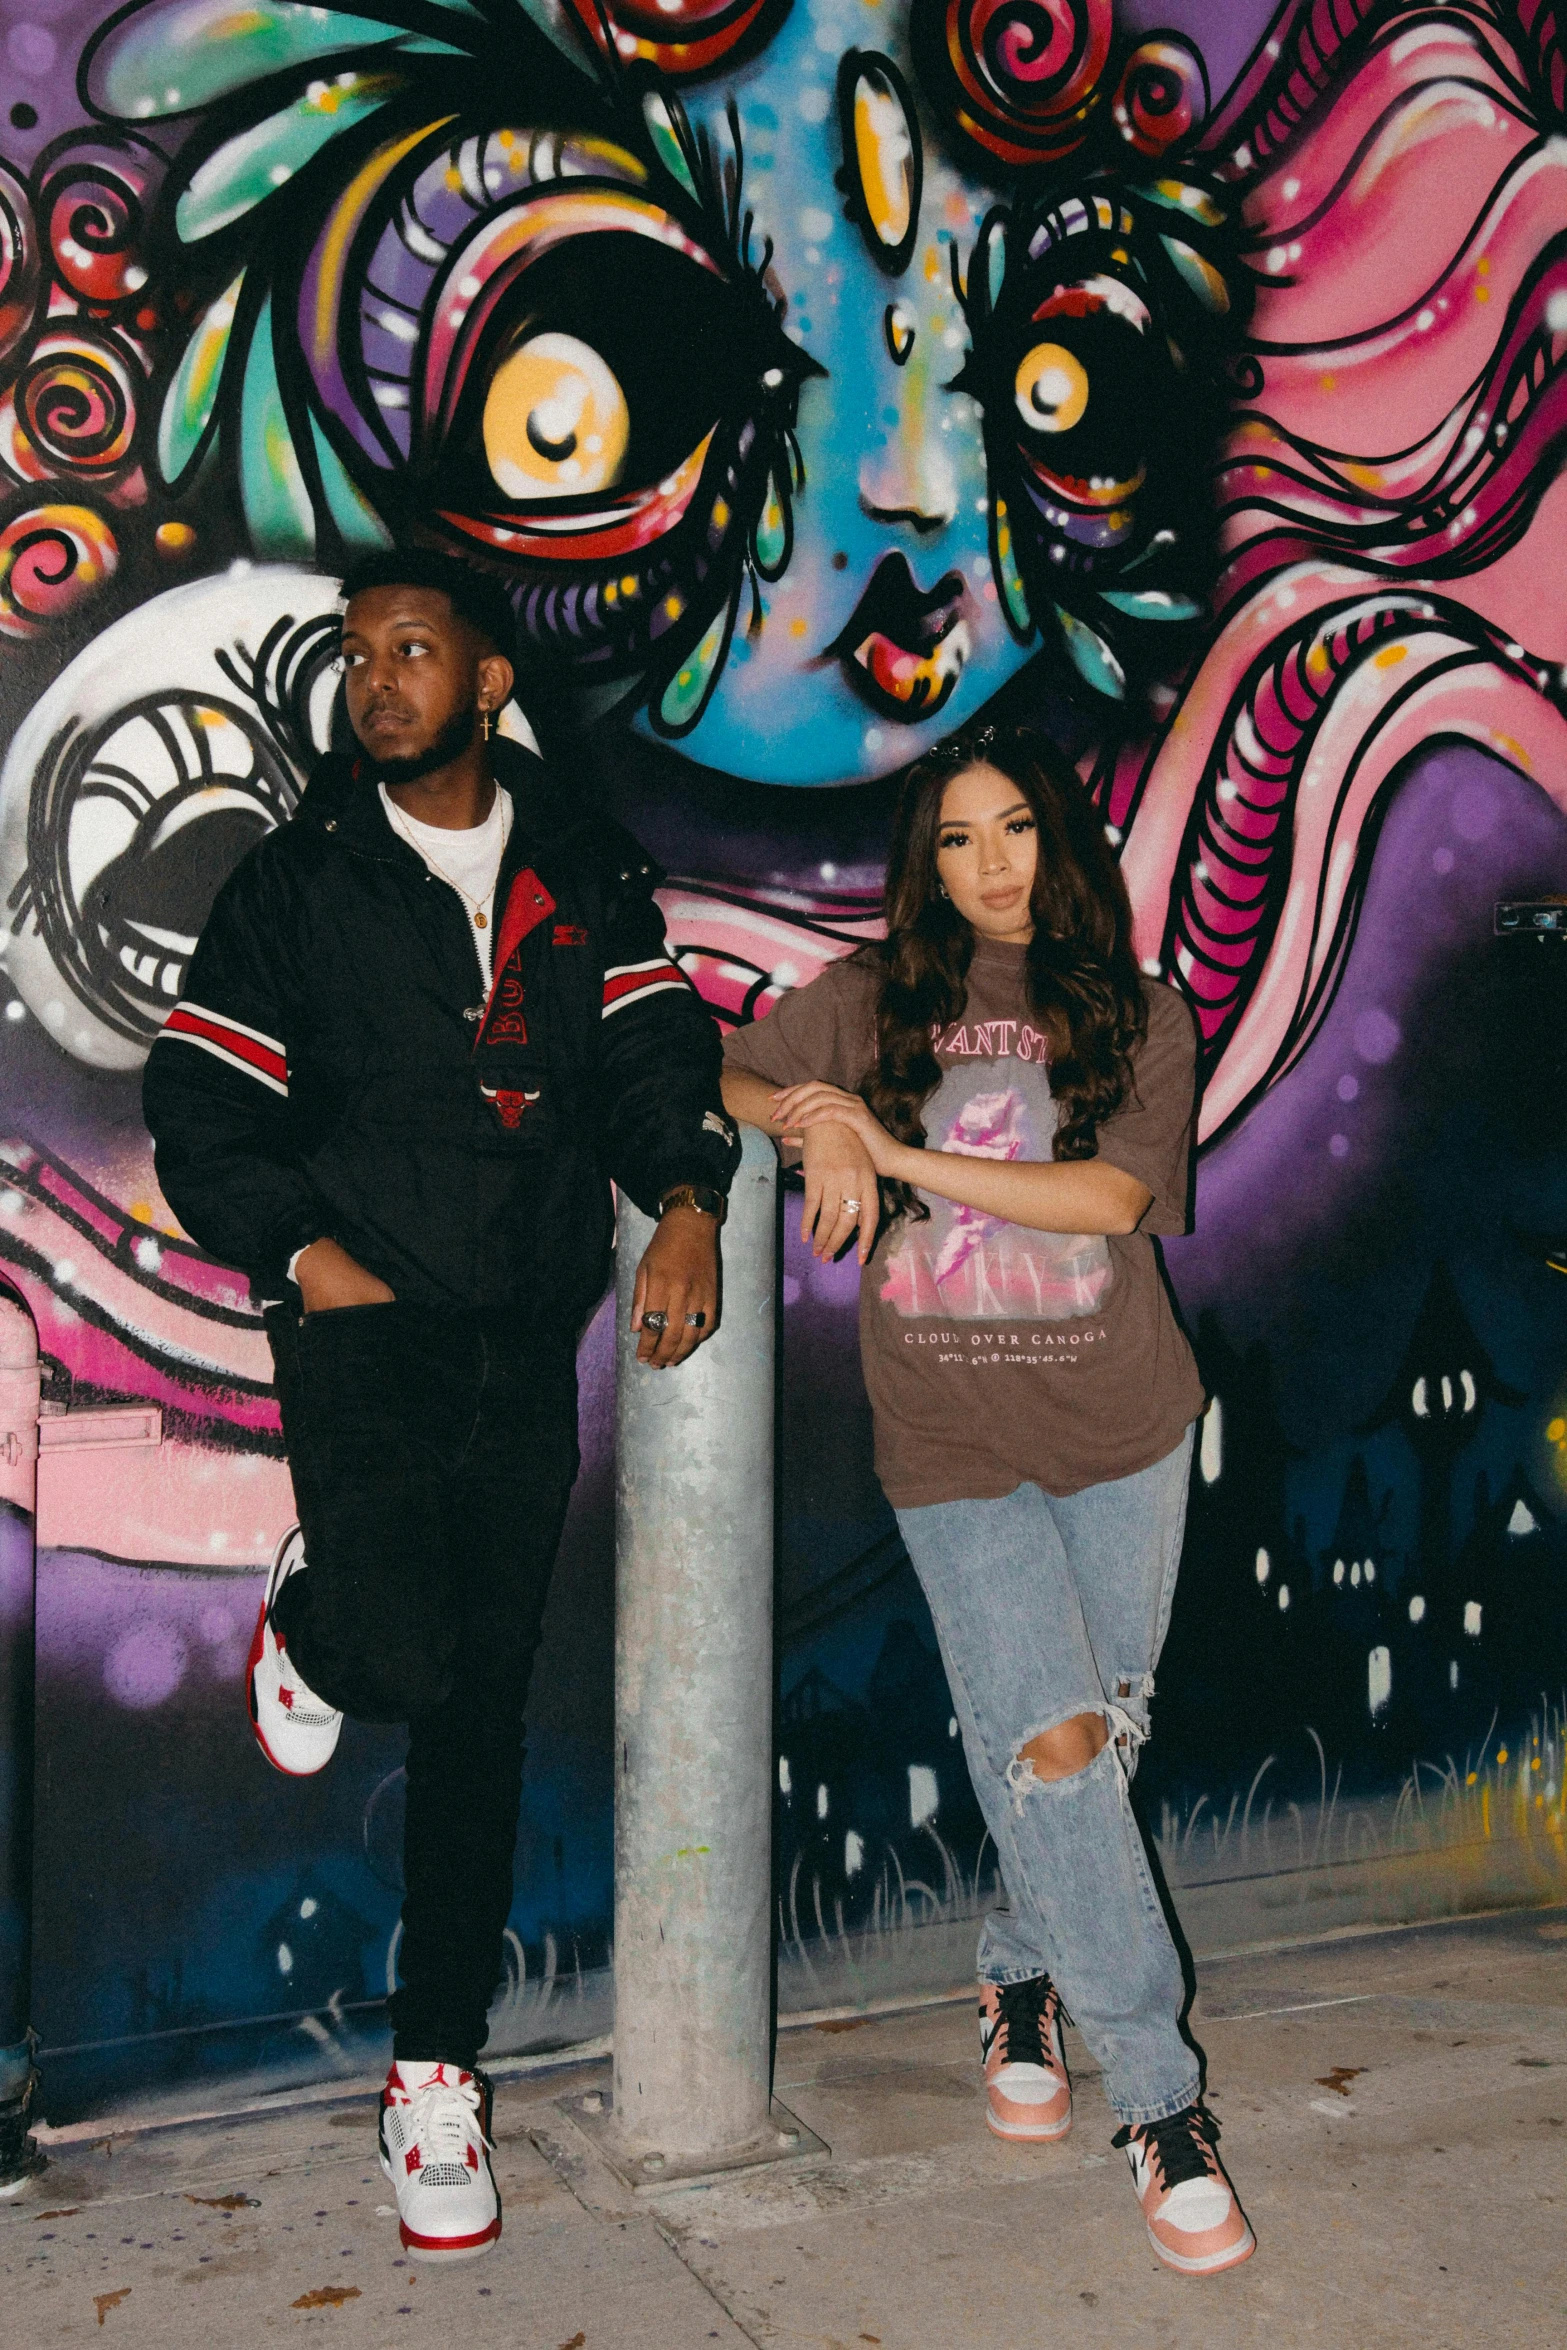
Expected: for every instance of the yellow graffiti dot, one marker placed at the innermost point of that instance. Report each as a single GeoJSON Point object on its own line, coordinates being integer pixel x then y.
{"type": "Point", "coordinates": [1482, 267]}
{"type": "Point", "coordinates": [1555, 1430]}
{"type": "Point", "coordinates": [628, 586]}
{"type": "Point", "coordinates": [1534, 1766]}
{"type": "Point", "coordinates": [1482, 293]}
{"type": "Point", "coordinates": [453, 178]}
{"type": "Point", "coordinates": [1390, 656]}
{"type": "Point", "coordinates": [720, 514]}
{"type": "Point", "coordinates": [932, 265]}
{"type": "Point", "coordinates": [141, 1211]}
{"type": "Point", "coordinates": [507, 138]}
{"type": "Point", "coordinates": [1501, 1754]}
{"type": "Point", "coordinates": [797, 627]}
{"type": "Point", "coordinates": [611, 594]}
{"type": "Point", "coordinates": [1469, 1782]}
{"type": "Point", "coordinates": [1327, 383]}
{"type": "Point", "coordinates": [684, 679]}
{"type": "Point", "coordinates": [174, 538]}
{"type": "Point", "coordinates": [1317, 660]}
{"type": "Point", "coordinates": [673, 607]}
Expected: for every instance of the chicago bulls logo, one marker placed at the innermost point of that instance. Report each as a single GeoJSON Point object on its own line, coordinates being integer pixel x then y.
{"type": "Point", "coordinates": [509, 1103]}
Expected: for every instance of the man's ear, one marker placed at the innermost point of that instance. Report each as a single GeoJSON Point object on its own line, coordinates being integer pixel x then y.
{"type": "Point", "coordinates": [496, 679]}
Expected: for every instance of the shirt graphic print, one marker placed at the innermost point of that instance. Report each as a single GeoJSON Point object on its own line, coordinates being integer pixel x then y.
{"type": "Point", "coordinates": [962, 1263]}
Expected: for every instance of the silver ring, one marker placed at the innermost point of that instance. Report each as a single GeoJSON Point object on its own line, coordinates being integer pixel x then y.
{"type": "Point", "coordinates": [853, 1206]}
{"type": "Point", "coordinates": [655, 1320]}
{"type": "Point", "coordinates": [696, 1321]}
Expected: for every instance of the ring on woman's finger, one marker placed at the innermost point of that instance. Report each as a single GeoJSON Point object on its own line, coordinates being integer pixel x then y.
{"type": "Point", "coordinates": [696, 1321]}
{"type": "Point", "coordinates": [655, 1320]}
{"type": "Point", "coordinates": [853, 1206]}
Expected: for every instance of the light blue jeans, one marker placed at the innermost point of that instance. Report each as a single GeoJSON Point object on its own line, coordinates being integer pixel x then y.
{"type": "Point", "coordinates": [1046, 1608]}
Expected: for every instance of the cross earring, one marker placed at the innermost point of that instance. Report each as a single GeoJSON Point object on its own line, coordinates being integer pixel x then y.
{"type": "Point", "coordinates": [484, 718]}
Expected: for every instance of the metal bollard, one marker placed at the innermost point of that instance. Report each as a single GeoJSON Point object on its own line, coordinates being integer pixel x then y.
{"type": "Point", "coordinates": [694, 1713]}
{"type": "Point", "coordinates": [19, 2156]}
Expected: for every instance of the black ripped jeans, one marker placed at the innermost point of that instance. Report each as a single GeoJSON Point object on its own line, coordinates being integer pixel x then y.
{"type": "Point", "coordinates": [432, 1456]}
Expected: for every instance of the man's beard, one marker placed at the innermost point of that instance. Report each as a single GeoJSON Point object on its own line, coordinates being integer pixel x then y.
{"type": "Point", "coordinates": [453, 739]}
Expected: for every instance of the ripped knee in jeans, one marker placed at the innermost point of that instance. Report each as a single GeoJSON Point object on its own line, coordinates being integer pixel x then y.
{"type": "Point", "coordinates": [1065, 1749]}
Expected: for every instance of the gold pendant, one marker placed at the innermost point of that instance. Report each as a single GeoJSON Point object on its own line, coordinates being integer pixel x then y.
{"type": "Point", "coordinates": [479, 922]}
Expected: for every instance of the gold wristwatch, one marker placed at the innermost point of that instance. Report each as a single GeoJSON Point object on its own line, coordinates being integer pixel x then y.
{"type": "Point", "coordinates": [701, 1196]}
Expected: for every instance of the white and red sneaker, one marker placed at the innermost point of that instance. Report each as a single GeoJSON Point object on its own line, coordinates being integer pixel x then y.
{"type": "Point", "coordinates": [296, 1730]}
{"type": "Point", "coordinates": [435, 2149]}
{"type": "Point", "coordinates": [1194, 2222]}
{"type": "Point", "coordinates": [1027, 2092]}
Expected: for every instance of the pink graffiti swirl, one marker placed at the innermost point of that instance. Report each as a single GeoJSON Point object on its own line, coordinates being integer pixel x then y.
{"type": "Point", "coordinates": [1022, 76]}
{"type": "Point", "coordinates": [74, 405]}
{"type": "Point", "coordinates": [94, 197]}
{"type": "Point", "coordinates": [1162, 97]}
{"type": "Point", "coordinates": [51, 557]}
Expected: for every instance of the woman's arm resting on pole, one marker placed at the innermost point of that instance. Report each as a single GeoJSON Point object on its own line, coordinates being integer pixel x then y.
{"type": "Point", "coordinates": [838, 1168]}
{"type": "Point", "coordinates": [1067, 1195]}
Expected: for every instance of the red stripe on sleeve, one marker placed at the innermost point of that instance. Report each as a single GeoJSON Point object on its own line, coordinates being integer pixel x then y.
{"type": "Point", "coordinates": [244, 1048]}
{"type": "Point", "coordinates": [633, 982]}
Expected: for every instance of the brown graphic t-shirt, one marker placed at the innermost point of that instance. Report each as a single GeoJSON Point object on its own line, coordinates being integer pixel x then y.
{"type": "Point", "coordinates": [994, 1354]}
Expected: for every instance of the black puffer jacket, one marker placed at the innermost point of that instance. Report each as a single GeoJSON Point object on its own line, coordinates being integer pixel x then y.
{"type": "Point", "coordinates": [332, 1069]}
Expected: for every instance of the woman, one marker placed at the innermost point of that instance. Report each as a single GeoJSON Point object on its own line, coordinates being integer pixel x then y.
{"type": "Point", "coordinates": [998, 1088]}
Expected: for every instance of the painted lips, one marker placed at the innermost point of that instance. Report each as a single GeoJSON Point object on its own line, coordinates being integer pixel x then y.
{"type": "Point", "coordinates": [903, 652]}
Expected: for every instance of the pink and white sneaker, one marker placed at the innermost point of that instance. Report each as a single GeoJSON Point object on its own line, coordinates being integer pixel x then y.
{"type": "Point", "coordinates": [1194, 2222]}
{"type": "Point", "coordinates": [1027, 2092]}
{"type": "Point", "coordinates": [435, 2149]}
{"type": "Point", "coordinates": [296, 1730]}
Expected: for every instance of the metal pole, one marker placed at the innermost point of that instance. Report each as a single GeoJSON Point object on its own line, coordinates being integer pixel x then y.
{"type": "Point", "coordinates": [694, 1712]}
{"type": "Point", "coordinates": [19, 2156]}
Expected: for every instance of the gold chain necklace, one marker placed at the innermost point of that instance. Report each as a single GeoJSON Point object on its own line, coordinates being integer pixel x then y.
{"type": "Point", "coordinates": [475, 906]}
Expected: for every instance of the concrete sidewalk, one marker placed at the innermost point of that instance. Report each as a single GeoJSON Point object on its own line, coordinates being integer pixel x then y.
{"type": "Point", "coordinates": [1394, 2108]}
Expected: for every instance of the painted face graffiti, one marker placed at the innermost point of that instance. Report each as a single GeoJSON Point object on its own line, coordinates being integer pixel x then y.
{"type": "Point", "coordinates": [797, 411]}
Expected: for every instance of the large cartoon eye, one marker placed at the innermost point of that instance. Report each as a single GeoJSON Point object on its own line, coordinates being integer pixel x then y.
{"type": "Point", "coordinates": [883, 164]}
{"type": "Point", "coordinates": [556, 421]}
{"type": "Point", "coordinates": [1051, 388]}
{"type": "Point", "coordinates": [1093, 333]}
{"type": "Point", "coordinates": [601, 376]}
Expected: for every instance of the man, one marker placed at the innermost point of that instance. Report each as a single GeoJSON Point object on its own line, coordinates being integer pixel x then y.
{"type": "Point", "coordinates": [427, 1021]}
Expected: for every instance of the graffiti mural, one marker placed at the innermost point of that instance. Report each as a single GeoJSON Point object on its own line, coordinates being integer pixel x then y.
{"type": "Point", "coordinates": [814, 377]}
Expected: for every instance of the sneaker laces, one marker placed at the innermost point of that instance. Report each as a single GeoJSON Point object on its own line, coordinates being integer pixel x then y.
{"type": "Point", "coordinates": [1021, 2009]}
{"type": "Point", "coordinates": [298, 1700]}
{"type": "Point", "coordinates": [1183, 2144]}
{"type": "Point", "coordinates": [440, 2118]}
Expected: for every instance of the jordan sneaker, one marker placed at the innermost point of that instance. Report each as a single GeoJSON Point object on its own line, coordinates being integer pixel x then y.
{"type": "Point", "coordinates": [1194, 2222]}
{"type": "Point", "coordinates": [296, 1730]}
{"type": "Point", "coordinates": [435, 2149]}
{"type": "Point", "coordinates": [1027, 2093]}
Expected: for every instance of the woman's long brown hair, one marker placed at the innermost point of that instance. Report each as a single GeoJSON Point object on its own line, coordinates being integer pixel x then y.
{"type": "Point", "coordinates": [1083, 983]}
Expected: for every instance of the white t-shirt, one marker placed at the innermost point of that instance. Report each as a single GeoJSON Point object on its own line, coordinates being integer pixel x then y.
{"type": "Point", "coordinates": [469, 860]}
